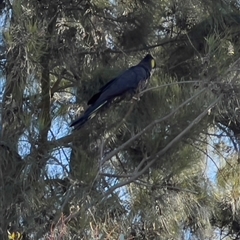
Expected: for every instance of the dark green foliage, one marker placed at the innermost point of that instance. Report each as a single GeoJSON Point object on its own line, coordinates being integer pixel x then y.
{"type": "Point", "coordinates": [138, 168]}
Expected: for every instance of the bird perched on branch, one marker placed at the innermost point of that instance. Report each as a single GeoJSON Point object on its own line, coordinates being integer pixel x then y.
{"type": "Point", "coordinates": [132, 81]}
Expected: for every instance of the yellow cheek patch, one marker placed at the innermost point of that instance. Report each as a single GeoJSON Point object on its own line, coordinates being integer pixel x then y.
{"type": "Point", "coordinates": [153, 63]}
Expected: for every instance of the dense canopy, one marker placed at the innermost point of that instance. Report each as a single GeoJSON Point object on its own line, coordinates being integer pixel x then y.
{"type": "Point", "coordinates": [164, 167]}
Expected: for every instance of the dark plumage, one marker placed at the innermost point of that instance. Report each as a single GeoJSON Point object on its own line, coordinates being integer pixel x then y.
{"type": "Point", "coordinates": [132, 81]}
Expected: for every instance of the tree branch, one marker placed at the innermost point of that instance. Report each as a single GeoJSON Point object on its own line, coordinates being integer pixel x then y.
{"type": "Point", "coordinates": [111, 154]}
{"type": "Point", "coordinates": [152, 159]}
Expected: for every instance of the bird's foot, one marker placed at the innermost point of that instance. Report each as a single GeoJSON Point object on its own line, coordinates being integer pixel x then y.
{"type": "Point", "coordinates": [137, 98]}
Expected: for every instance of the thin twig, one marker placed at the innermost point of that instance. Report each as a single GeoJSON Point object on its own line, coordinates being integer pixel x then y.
{"type": "Point", "coordinates": [170, 84]}
{"type": "Point", "coordinates": [109, 50]}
